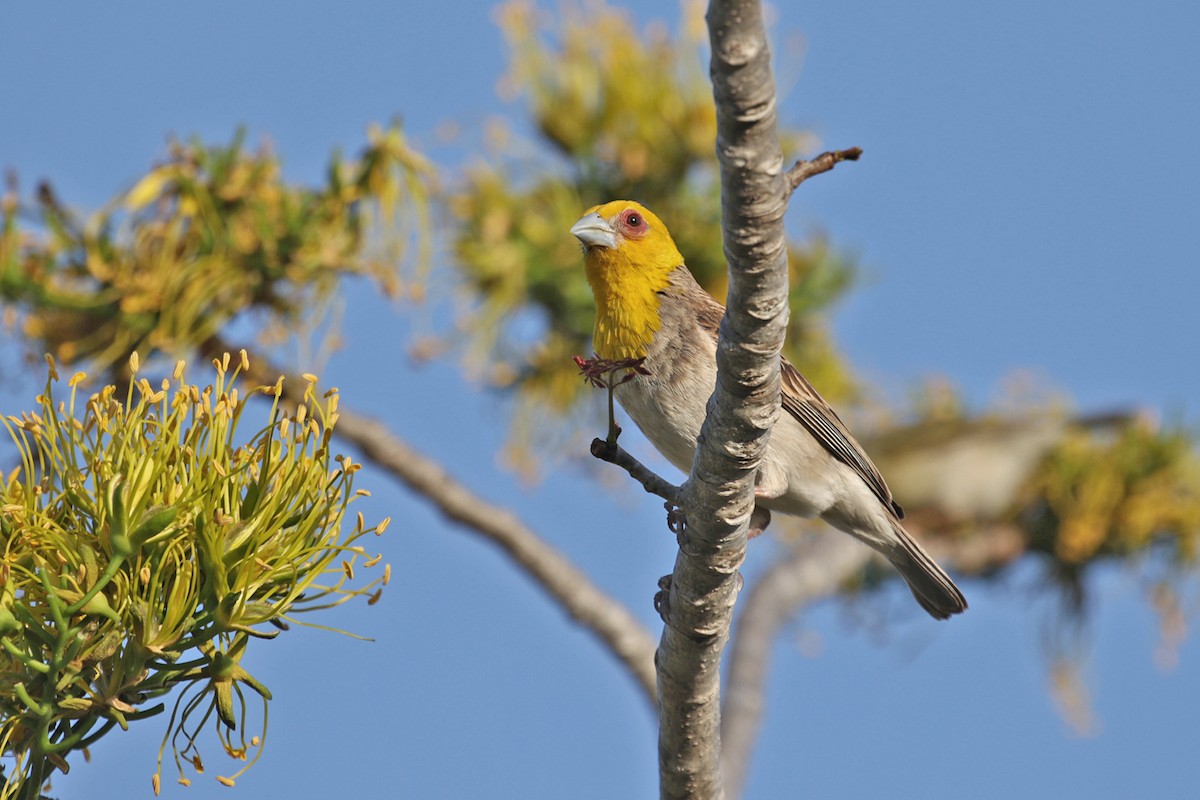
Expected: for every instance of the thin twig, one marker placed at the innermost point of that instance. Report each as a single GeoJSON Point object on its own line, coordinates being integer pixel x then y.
{"type": "Point", "coordinates": [803, 170]}
{"type": "Point", "coordinates": [613, 453]}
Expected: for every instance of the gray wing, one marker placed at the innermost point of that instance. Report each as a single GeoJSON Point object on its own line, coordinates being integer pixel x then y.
{"type": "Point", "coordinates": [800, 399]}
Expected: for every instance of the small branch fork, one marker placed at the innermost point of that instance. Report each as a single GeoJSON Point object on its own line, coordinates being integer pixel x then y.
{"type": "Point", "coordinates": [609, 374]}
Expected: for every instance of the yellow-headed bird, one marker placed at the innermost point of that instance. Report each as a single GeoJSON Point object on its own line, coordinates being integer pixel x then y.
{"type": "Point", "coordinates": [648, 305]}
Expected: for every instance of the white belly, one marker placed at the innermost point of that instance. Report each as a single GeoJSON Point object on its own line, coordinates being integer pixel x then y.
{"type": "Point", "coordinates": [667, 416]}
{"type": "Point", "coordinates": [803, 477]}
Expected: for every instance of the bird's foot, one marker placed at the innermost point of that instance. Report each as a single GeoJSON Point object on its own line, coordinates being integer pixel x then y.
{"type": "Point", "coordinates": [662, 598]}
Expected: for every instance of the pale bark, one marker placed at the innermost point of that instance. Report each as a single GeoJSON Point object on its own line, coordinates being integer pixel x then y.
{"type": "Point", "coordinates": [718, 497]}
{"type": "Point", "coordinates": [654, 484]}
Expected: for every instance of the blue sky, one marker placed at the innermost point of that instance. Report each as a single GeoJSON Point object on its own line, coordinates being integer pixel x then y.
{"type": "Point", "coordinates": [1028, 200]}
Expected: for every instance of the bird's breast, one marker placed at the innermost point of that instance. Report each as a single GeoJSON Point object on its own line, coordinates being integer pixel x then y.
{"type": "Point", "coordinates": [668, 404]}
{"type": "Point", "coordinates": [668, 414]}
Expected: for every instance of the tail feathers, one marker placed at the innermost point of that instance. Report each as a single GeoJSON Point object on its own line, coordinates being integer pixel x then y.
{"type": "Point", "coordinates": [930, 584]}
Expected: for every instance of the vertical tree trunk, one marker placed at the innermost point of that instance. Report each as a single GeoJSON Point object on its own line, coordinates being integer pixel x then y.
{"type": "Point", "coordinates": [718, 497]}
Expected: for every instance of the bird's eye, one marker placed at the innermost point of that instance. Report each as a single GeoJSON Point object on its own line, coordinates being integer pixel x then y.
{"type": "Point", "coordinates": [634, 220]}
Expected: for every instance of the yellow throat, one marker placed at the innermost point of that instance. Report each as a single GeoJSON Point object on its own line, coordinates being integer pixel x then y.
{"type": "Point", "coordinates": [626, 279]}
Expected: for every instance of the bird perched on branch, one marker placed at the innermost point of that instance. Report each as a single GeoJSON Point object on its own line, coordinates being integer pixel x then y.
{"type": "Point", "coordinates": [649, 306]}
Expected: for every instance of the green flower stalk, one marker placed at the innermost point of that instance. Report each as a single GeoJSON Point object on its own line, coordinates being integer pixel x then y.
{"type": "Point", "coordinates": [145, 544]}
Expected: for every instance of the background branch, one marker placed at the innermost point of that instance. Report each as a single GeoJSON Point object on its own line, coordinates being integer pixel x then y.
{"type": "Point", "coordinates": [583, 601]}
{"type": "Point", "coordinates": [817, 567]}
{"type": "Point", "coordinates": [607, 618]}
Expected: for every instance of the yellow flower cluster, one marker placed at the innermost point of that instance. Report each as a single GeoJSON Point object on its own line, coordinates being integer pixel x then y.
{"type": "Point", "coordinates": [145, 542]}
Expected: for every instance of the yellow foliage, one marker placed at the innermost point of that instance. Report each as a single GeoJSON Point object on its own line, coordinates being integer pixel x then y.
{"type": "Point", "coordinates": [1116, 495]}
{"type": "Point", "coordinates": [610, 94]}
{"type": "Point", "coordinates": [206, 236]}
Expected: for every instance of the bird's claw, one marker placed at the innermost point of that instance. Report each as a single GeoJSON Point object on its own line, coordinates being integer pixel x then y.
{"type": "Point", "coordinates": [662, 598]}
{"type": "Point", "coordinates": [676, 521]}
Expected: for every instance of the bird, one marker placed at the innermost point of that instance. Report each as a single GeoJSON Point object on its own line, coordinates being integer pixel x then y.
{"type": "Point", "coordinates": [648, 306]}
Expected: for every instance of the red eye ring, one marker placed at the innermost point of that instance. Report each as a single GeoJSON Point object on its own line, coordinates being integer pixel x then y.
{"type": "Point", "coordinates": [633, 219]}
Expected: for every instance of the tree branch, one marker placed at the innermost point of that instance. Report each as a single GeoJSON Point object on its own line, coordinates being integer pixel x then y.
{"type": "Point", "coordinates": [718, 497]}
{"type": "Point", "coordinates": [816, 567]}
{"type": "Point", "coordinates": [803, 170]}
{"type": "Point", "coordinates": [613, 453]}
{"type": "Point", "coordinates": [608, 620]}
{"type": "Point", "coordinates": [583, 601]}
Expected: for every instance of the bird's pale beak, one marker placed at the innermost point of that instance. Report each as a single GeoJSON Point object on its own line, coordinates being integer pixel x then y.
{"type": "Point", "coordinates": [594, 231]}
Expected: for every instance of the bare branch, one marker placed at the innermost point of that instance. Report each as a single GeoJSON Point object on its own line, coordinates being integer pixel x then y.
{"type": "Point", "coordinates": [613, 453]}
{"type": "Point", "coordinates": [815, 568]}
{"type": "Point", "coordinates": [803, 170]}
{"type": "Point", "coordinates": [606, 617]}
{"type": "Point", "coordinates": [718, 498]}
{"type": "Point", "coordinates": [585, 602]}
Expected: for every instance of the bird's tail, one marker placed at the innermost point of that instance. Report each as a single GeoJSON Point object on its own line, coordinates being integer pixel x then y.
{"type": "Point", "coordinates": [930, 584]}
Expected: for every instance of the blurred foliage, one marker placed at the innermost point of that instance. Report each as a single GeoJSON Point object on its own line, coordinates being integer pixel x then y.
{"type": "Point", "coordinates": [204, 238]}
{"type": "Point", "coordinates": [1075, 492]}
{"type": "Point", "coordinates": [1079, 489]}
{"type": "Point", "coordinates": [1116, 494]}
{"type": "Point", "coordinates": [145, 548]}
{"type": "Point", "coordinates": [620, 113]}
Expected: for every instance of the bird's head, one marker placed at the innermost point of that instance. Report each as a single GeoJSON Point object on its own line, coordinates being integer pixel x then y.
{"type": "Point", "coordinates": [627, 241]}
{"type": "Point", "coordinates": [628, 255]}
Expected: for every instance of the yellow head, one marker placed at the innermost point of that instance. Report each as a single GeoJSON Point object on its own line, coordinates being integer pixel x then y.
{"type": "Point", "coordinates": [628, 256]}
